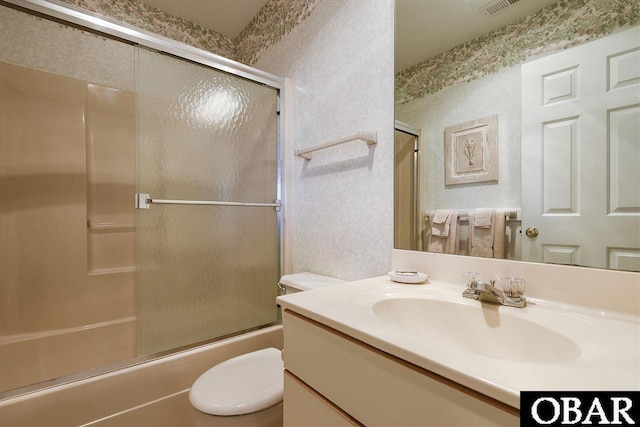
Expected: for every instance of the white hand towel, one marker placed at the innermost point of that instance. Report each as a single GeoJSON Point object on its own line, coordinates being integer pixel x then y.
{"type": "Point", "coordinates": [440, 216]}
{"type": "Point", "coordinates": [440, 230]}
{"type": "Point", "coordinates": [483, 217]}
{"type": "Point", "coordinates": [481, 237]}
{"type": "Point", "coordinates": [453, 240]}
{"type": "Point", "coordinates": [441, 222]}
{"type": "Point", "coordinates": [436, 244]}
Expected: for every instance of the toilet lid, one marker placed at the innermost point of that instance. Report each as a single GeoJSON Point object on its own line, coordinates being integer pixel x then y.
{"type": "Point", "coordinates": [241, 385]}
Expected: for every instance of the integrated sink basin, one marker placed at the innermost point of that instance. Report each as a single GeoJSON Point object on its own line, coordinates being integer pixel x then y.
{"type": "Point", "coordinates": [438, 320]}
{"type": "Point", "coordinates": [478, 329]}
{"type": "Point", "coordinates": [496, 350]}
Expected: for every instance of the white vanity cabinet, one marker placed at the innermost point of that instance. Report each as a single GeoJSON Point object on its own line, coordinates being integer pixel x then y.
{"type": "Point", "coordinates": [332, 379]}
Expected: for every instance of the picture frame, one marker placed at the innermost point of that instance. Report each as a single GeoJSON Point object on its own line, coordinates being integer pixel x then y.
{"type": "Point", "coordinates": [471, 151]}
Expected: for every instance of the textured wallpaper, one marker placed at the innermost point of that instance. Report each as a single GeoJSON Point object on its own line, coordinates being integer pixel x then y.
{"type": "Point", "coordinates": [498, 93]}
{"type": "Point", "coordinates": [556, 27]}
{"type": "Point", "coordinates": [340, 60]}
{"type": "Point", "coordinates": [32, 42]}
{"type": "Point", "coordinates": [275, 20]}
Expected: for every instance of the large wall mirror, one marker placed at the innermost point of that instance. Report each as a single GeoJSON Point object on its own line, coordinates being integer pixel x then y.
{"type": "Point", "coordinates": [518, 130]}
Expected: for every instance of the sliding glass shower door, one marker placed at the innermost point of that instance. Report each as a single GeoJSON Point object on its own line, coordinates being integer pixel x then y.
{"type": "Point", "coordinates": [204, 270]}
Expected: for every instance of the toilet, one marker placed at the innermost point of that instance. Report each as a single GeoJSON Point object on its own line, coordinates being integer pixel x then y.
{"type": "Point", "coordinates": [254, 381]}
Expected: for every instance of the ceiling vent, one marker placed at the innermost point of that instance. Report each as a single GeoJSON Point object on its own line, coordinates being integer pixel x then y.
{"type": "Point", "coordinates": [496, 6]}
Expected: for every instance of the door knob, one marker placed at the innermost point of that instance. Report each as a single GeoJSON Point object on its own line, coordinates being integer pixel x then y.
{"type": "Point", "coordinates": [531, 232]}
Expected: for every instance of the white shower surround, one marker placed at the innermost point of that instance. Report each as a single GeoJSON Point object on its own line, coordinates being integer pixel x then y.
{"type": "Point", "coordinates": [340, 61]}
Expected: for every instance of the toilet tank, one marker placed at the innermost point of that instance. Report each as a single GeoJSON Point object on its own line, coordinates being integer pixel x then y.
{"type": "Point", "coordinates": [297, 282]}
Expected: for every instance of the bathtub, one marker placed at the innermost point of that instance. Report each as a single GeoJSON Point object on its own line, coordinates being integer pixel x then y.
{"type": "Point", "coordinates": [152, 393]}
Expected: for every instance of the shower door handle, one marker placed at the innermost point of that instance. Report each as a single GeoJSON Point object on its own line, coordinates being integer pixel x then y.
{"type": "Point", "coordinates": [144, 201]}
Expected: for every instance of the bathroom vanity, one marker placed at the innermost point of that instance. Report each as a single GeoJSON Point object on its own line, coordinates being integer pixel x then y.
{"type": "Point", "coordinates": [376, 352]}
{"type": "Point", "coordinates": [333, 379]}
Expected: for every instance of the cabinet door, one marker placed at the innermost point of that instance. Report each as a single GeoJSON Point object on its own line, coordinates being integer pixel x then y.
{"type": "Point", "coordinates": [378, 389]}
{"type": "Point", "coordinates": [305, 407]}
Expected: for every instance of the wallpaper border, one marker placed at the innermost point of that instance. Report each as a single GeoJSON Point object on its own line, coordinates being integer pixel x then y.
{"type": "Point", "coordinates": [275, 20]}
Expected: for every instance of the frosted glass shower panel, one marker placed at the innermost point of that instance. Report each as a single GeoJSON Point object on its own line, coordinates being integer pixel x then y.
{"type": "Point", "coordinates": [204, 271]}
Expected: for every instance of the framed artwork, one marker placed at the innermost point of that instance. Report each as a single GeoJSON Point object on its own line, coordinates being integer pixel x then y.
{"type": "Point", "coordinates": [471, 151]}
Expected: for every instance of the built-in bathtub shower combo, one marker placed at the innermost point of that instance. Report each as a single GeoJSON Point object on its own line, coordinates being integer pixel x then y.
{"type": "Point", "coordinates": [140, 201]}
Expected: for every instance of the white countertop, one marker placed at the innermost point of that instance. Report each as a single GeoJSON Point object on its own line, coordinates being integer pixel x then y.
{"type": "Point", "coordinates": [607, 356]}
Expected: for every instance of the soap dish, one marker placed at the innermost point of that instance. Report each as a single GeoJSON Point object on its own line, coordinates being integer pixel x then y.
{"type": "Point", "coordinates": [407, 276]}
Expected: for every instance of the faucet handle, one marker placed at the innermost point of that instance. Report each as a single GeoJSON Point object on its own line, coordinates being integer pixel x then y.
{"type": "Point", "coordinates": [478, 285]}
{"type": "Point", "coordinates": [513, 286]}
{"type": "Point", "coordinates": [471, 278]}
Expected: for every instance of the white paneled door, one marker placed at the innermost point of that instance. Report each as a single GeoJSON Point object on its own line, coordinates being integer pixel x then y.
{"type": "Point", "coordinates": [581, 155]}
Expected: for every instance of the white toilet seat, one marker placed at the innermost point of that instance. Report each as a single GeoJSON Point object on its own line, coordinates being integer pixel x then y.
{"type": "Point", "coordinates": [241, 385]}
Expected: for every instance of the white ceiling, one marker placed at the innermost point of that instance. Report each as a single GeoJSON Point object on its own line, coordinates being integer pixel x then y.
{"type": "Point", "coordinates": [227, 17]}
{"type": "Point", "coordinates": [425, 28]}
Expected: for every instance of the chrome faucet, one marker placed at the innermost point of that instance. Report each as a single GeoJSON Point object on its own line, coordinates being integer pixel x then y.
{"type": "Point", "coordinates": [483, 291]}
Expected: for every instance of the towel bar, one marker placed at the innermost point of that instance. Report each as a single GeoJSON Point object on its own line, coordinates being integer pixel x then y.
{"type": "Point", "coordinates": [510, 214]}
{"type": "Point", "coordinates": [370, 138]}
